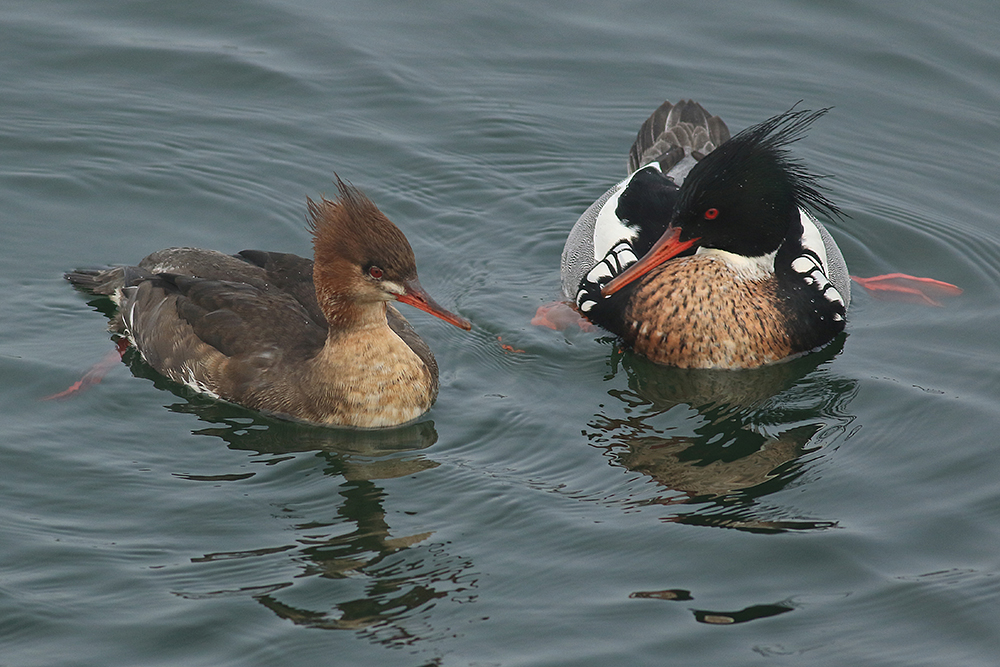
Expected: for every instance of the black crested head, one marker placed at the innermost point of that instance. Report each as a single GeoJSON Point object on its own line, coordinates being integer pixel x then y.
{"type": "Point", "coordinates": [744, 196]}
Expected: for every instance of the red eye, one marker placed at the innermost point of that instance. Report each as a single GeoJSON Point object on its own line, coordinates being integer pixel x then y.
{"type": "Point", "coordinates": [712, 214]}
{"type": "Point", "coordinates": [375, 272]}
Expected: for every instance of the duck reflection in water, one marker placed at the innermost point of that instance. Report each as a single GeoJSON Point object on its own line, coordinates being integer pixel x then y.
{"type": "Point", "coordinates": [370, 578]}
{"type": "Point", "coordinates": [757, 432]}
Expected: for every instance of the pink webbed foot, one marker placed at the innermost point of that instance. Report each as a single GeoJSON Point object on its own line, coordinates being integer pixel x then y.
{"type": "Point", "coordinates": [96, 372]}
{"type": "Point", "coordinates": [560, 316]}
{"type": "Point", "coordinates": [908, 289]}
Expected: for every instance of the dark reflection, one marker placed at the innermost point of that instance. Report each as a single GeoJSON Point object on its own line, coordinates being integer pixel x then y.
{"type": "Point", "coordinates": [751, 613]}
{"type": "Point", "coordinates": [378, 583]}
{"type": "Point", "coordinates": [668, 594]}
{"type": "Point", "coordinates": [750, 436]}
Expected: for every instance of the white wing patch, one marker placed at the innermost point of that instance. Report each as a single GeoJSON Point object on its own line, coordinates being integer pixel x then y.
{"type": "Point", "coordinates": [188, 377]}
{"type": "Point", "coordinates": [811, 238]}
{"type": "Point", "coordinates": [812, 264]}
{"type": "Point", "coordinates": [609, 229]}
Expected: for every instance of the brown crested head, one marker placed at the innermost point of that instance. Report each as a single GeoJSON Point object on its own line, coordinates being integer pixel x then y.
{"type": "Point", "coordinates": [361, 258]}
{"type": "Point", "coordinates": [357, 248]}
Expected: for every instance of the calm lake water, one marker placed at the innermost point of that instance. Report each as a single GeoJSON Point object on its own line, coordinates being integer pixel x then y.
{"type": "Point", "coordinates": [565, 504]}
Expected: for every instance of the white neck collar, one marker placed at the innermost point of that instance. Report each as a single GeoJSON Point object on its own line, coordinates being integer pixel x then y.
{"type": "Point", "coordinates": [745, 268]}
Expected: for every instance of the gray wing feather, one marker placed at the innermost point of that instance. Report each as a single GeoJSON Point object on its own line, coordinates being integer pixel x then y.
{"type": "Point", "coordinates": [675, 131]}
{"type": "Point", "coordinates": [578, 253]}
{"type": "Point", "coordinates": [836, 266]}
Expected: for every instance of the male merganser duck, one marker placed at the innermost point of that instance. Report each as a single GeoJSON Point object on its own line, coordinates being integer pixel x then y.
{"type": "Point", "coordinates": [315, 341]}
{"type": "Point", "coordinates": [709, 254]}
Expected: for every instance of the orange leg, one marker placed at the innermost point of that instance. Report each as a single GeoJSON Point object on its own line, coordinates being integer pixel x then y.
{"type": "Point", "coordinates": [909, 289]}
{"type": "Point", "coordinates": [96, 372]}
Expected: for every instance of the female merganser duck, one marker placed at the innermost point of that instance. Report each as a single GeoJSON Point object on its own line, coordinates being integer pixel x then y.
{"type": "Point", "coordinates": [316, 341]}
{"type": "Point", "coordinates": [708, 255]}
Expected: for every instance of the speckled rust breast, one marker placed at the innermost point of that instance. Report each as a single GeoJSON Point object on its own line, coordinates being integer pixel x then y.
{"type": "Point", "coordinates": [695, 312]}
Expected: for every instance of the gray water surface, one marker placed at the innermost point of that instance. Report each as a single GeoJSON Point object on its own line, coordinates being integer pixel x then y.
{"type": "Point", "coordinates": [568, 504]}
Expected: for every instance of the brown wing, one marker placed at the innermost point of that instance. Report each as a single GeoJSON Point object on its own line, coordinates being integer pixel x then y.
{"type": "Point", "coordinates": [218, 336]}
